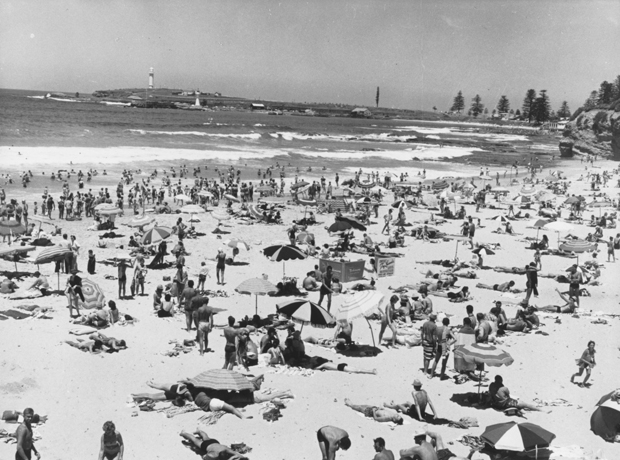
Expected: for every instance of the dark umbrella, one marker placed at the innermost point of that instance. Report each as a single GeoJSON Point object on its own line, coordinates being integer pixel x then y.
{"type": "Point", "coordinates": [356, 224]}
{"type": "Point", "coordinates": [221, 379]}
{"type": "Point", "coordinates": [484, 250]}
{"type": "Point", "coordinates": [339, 226]}
{"type": "Point", "coordinates": [606, 417]}
{"type": "Point", "coordinates": [282, 252]}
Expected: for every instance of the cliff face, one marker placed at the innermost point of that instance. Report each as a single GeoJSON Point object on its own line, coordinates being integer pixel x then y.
{"type": "Point", "coordinates": [596, 132]}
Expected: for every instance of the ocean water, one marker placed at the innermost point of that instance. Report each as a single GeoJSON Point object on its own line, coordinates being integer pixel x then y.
{"type": "Point", "coordinates": [38, 131]}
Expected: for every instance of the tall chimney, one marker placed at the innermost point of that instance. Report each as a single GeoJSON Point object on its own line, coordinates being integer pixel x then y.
{"type": "Point", "coordinates": [151, 78]}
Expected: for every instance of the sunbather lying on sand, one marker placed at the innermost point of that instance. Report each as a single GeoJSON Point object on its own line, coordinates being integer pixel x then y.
{"type": "Point", "coordinates": [343, 367]}
{"type": "Point", "coordinates": [168, 392]}
{"type": "Point", "coordinates": [92, 346]}
{"type": "Point", "coordinates": [504, 287]}
{"type": "Point", "coordinates": [379, 414]}
{"type": "Point", "coordinates": [211, 448]}
{"type": "Point", "coordinates": [459, 296]}
{"type": "Point", "coordinates": [568, 307]}
{"type": "Point", "coordinates": [110, 342]}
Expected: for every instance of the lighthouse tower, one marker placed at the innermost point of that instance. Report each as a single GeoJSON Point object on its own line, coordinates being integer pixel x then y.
{"type": "Point", "coordinates": [151, 78]}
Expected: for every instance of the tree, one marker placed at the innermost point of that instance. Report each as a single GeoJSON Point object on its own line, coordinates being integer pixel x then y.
{"type": "Point", "coordinates": [493, 113]}
{"type": "Point", "coordinates": [476, 106]}
{"type": "Point", "coordinates": [503, 105]}
{"type": "Point", "coordinates": [528, 104]}
{"type": "Point", "coordinates": [564, 111]}
{"type": "Point", "coordinates": [459, 103]}
{"type": "Point", "coordinates": [377, 97]}
{"type": "Point", "coordinates": [518, 113]}
{"type": "Point", "coordinates": [512, 111]}
{"type": "Point", "coordinates": [605, 93]}
{"type": "Point", "coordinates": [616, 88]}
{"type": "Point", "coordinates": [541, 109]}
{"type": "Point", "coordinates": [469, 112]}
{"type": "Point", "coordinates": [591, 101]}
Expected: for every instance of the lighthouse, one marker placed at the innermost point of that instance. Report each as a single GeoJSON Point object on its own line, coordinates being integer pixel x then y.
{"type": "Point", "coordinates": [151, 78]}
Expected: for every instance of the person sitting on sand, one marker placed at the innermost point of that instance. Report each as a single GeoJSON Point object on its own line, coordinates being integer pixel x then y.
{"type": "Point", "coordinates": [518, 324]}
{"type": "Point", "coordinates": [92, 346]}
{"type": "Point", "coordinates": [40, 283]}
{"type": "Point", "coordinates": [500, 398]}
{"type": "Point", "coordinates": [417, 408]}
{"type": "Point", "coordinates": [309, 283]}
{"type": "Point", "coordinates": [112, 446]}
{"type": "Point", "coordinates": [99, 318]}
{"type": "Point", "coordinates": [331, 439]}
{"type": "Point", "coordinates": [7, 286]}
{"type": "Point", "coordinates": [343, 367]}
{"type": "Point", "coordinates": [424, 450]}
{"type": "Point", "coordinates": [177, 392]}
{"type": "Point", "coordinates": [270, 343]}
{"type": "Point", "coordinates": [568, 307]}
{"type": "Point", "coordinates": [378, 414]}
{"type": "Point", "coordinates": [211, 448]}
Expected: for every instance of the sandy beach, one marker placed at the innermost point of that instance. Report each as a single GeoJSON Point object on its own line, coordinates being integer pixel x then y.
{"type": "Point", "coordinates": [79, 391]}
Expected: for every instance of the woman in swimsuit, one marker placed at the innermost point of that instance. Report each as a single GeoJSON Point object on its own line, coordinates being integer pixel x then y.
{"type": "Point", "coordinates": [211, 448]}
{"type": "Point", "coordinates": [112, 447]}
{"type": "Point", "coordinates": [586, 362]}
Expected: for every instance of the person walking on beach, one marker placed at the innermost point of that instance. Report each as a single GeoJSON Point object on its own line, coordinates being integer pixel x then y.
{"type": "Point", "coordinates": [387, 218]}
{"type": "Point", "coordinates": [326, 287]}
{"type": "Point", "coordinates": [330, 440]}
{"type": "Point", "coordinates": [586, 362]}
{"type": "Point", "coordinates": [220, 265]}
{"type": "Point", "coordinates": [25, 444]}
{"type": "Point", "coordinates": [387, 320]}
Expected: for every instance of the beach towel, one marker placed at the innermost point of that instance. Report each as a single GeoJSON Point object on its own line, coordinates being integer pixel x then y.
{"type": "Point", "coordinates": [15, 314]}
{"type": "Point", "coordinates": [211, 418]}
{"type": "Point", "coordinates": [172, 410]}
{"type": "Point", "coordinates": [83, 330]}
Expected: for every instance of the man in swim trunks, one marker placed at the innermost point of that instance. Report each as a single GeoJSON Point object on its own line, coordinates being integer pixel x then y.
{"type": "Point", "coordinates": [204, 325]}
{"type": "Point", "coordinates": [379, 414]}
{"type": "Point", "coordinates": [331, 439]}
{"type": "Point", "coordinates": [25, 444]}
{"type": "Point", "coordinates": [230, 349]}
{"type": "Point", "coordinates": [416, 409]}
{"type": "Point", "coordinates": [168, 392]}
{"type": "Point", "coordinates": [213, 404]}
{"type": "Point", "coordinates": [429, 329]}
{"type": "Point", "coordinates": [211, 448]}
{"type": "Point", "coordinates": [425, 450]}
{"type": "Point", "coordinates": [382, 452]}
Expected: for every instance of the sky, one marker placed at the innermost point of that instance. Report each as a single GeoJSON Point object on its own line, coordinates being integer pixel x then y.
{"type": "Point", "coordinates": [420, 53]}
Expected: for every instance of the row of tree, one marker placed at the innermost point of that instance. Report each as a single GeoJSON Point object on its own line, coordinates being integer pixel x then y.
{"type": "Point", "coordinates": [606, 94]}
{"type": "Point", "coordinates": [535, 107]}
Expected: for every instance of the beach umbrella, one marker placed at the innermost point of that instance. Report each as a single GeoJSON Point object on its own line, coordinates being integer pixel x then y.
{"type": "Point", "coordinates": [367, 201]}
{"type": "Point", "coordinates": [256, 213]}
{"type": "Point", "coordinates": [339, 226]}
{"type": "Point", "coordinates": [360, 304]}
{"type": "Point", "coordinates": [573, 200]}
{"type": "Point", "coordinates": [606, 417]}
{"type": "Point", "coordinates": [305, 238]}
{"type": "Point", "coordinates": [93, 295]}
{"type": "Point", "coordinates": [528, 190]}
{"type": "Point", "coordinates": [14, 253]}
{"type": "Point", "coordinates": [307, 202]}
{"type": "Point", "coordinates": [484, 250]}
{"type": "Point", "coordinates": [192, 209]}
{"type": "Point", "coordinates": [156, 235]}
{"type": "Point", "coordinates": [559, 226]}
{"type": "Point", "coordinates": [517, 437]}
{"type": "Point", "coordinates": [440, 185]}
{"type": "Point", "coordinates": [220, 215]}
{"type": "Point", "coordinates": [500, 217]}
{"type": "Point", "coordinates": [182, 197]}
{"type": "Point", "coordinates": [538, 224]}
{"type": "Point", "coordinates": [499, 190]}
{"type": "Point", "coordinates": [283, 252]}
{"type": "Point", "coordinates": [141, 221]}
{"type": "Point", "coordinates": [366, 184]}
{"type": "Point", "coordinates": [577, 246]}
{"type": "Point", "coordinates": [221, 379]}
{"type": "Point", "coordinates": [102, 206]}
{"type": "Point", "coordinates": [599, 204]}
{"type": "Point", "coordinates": [305, 312]}
{"type": "Point", "coordinates": [256, 287]}
{"type": "Point", "coordinates": [237, 243]}
{"type": "Point", "coordinates": [53, 254]}
{"type": "Point", "coordinates": [232, 198]}
{"type": "Point", "coordinates": [398, 203]}
{"type": "Point", "coordinates": [110, 211]}
{"type": "Point", "coordinates": [355, 224]}
{"type": "Point", "coordinates": [11, 227]}
{"type": "Point", "coordinates": [205, 194]}
{"type": "Point", "coordinates": [482, 353]}
{"type": "Point", "coordinates": [299, 184]}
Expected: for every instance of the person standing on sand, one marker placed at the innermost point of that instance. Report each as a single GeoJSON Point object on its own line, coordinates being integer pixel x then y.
{"type": "Point", "coordinates": [331, 439]}
{"type": "Point", "coordinates": [586, 362]}
{"type": "Point", "coordinates": [25, 444]}
{"type": "Point", "coordinates": [220, 265]}
{"type": "Point", "coordinates": [122, 278]}
{"type": "Point", "coordinates": [387, 320]}
{"type": "Point", "coordinates": [429, 329]}
{"type": "Point", "coordinates": [417, 408]}
{"type": "Point", "coordinates": [230, 349]}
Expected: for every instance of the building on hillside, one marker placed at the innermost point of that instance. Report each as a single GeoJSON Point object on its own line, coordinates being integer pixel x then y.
{"type": "Point", "coordinates": [361, 112]}
{"type": "Point", "coordinates": [255, 106]}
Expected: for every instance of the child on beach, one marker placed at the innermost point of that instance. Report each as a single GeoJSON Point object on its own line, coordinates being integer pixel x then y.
{"type": "Point", "coordinates": [202, 276]}
{"type": "Point", "coordinates": [91, 262]}
{"type": "Point", "coordinates": [586, 362]}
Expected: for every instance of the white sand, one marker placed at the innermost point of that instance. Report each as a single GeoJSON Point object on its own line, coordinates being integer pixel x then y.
{"type": "Point", "coordinates": [80, 392]}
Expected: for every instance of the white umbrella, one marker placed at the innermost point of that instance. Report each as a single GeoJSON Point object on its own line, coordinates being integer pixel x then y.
{"type": "Point", "coordinates": [182, 197]}
{"type": "Point", "coordinates": [358, 304]}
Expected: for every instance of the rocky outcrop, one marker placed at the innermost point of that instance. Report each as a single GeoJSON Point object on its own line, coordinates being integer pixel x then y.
{"type": "Point", "coordinates": [595, 132]}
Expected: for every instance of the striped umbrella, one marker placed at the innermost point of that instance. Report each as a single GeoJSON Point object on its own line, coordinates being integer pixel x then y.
{"type": "Point", "coordinates": [102, 206]}
{"type": "Point", "coordinates": [8, 227]}
{"type": "Point", "coordinates": [358, 304]}
{"type": "Point", "coordinates": [14, 253]}
{"type": "Point", "coordinates": [307, 202]}
{"type": "Point", "coordinates": [256, 287]}
{"type": "Point", "coordinates": [52, 254]}
{"type": "Point", "coordinates": [221, 379]}
{"type": "Point", "coordinates": [282, 252]}
{"type": "Point", "coordinates": [141, 221]}
{"type": "Point", "coordinates": [220, 215]}
{"type": "Point", "coordinates": [606, 417]}
{"type": "Point", "coordinates": [366, 184]}
{"type": "Point", "coordinates": [93, 295]}
{"type": "Point", "coordinates": [156, 235]}
{"type": "Point", "coordinates": [110, 211]}
{"type": "Point", "coordinates": [528, 190]}
{"type": "Point", "coordinates": [305, 238]}
{"type": "Point", "coordinates": [305, 312]}
{"type": "Point", "coordinates": [517, 437]}
{"type": "Point", "coordinates": [483, 353]}
{"type": "Point", "coordinates": [237, 243]}
{"type": "Point", "coordinates": [600, 204]}
{"type": "Point", "coordinates": [577, 246]}
{"type": "Point", "coordinates": [255, 211]}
